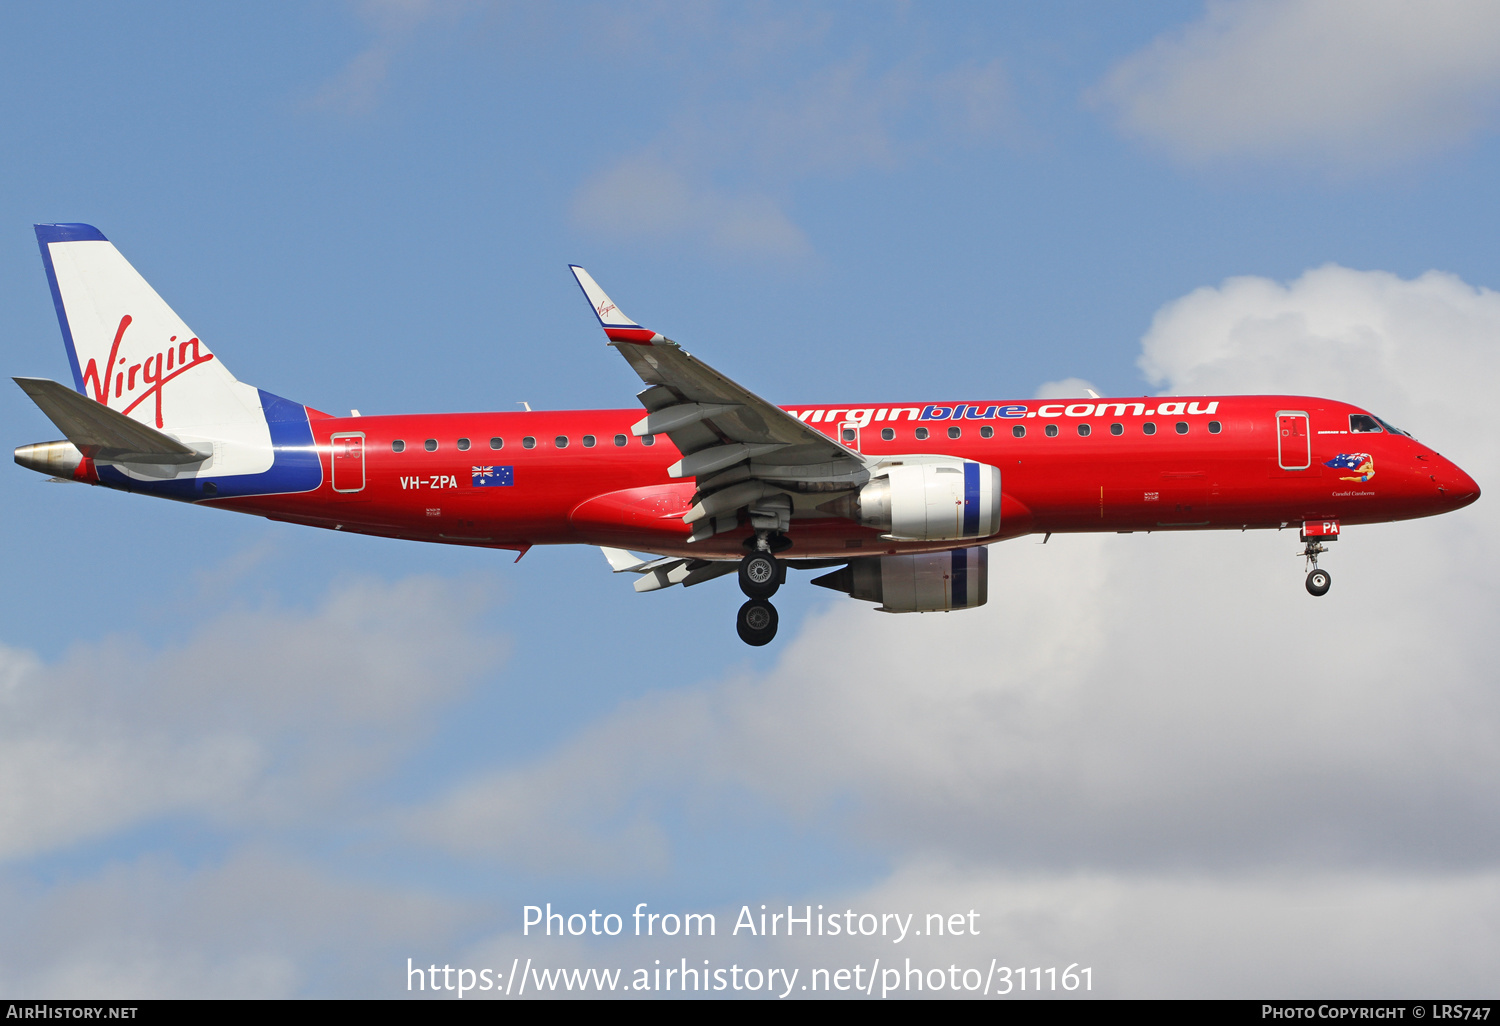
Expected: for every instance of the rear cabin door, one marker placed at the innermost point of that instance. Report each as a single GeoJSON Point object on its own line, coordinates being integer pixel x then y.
{"type": "Point", "coordinates": [349, 462]}
{"type": "Point", "coordinates": [1293, 441]}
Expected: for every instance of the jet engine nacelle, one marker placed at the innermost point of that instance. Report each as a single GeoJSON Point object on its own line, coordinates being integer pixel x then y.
{"type": "Point", "coordinates": [925, 582]}
{"type": "Point", "coordinates": [942, 500]}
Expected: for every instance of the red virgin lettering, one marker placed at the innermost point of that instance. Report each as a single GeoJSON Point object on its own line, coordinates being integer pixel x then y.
{"type": "Point", "coordinates": [101, 385]}
{"type": "Point", "coordinates": [155, 371]}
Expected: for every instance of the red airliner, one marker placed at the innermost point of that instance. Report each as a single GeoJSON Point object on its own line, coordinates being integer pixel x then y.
{"type": "Point", "coordinates": [897, 500]}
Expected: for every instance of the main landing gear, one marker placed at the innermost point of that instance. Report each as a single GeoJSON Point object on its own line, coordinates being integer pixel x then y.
{"type": "Point", "coordinates": [761, 574]}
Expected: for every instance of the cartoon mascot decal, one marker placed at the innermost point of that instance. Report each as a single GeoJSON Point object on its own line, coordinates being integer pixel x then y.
{"type": "Point", "coordinates": [1359, 462]}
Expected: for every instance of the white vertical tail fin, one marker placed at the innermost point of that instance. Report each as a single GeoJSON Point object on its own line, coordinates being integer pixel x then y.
{"type": "Point", "coordinates": [129, 349]}
{"type": "Point", "coordinates": [131, 352]}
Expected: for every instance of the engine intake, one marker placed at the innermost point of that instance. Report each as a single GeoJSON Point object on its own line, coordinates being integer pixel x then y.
{"type": "Point", "coordinates": [938, 501]}
{"type": "Point", "coordinates": [924, 582]}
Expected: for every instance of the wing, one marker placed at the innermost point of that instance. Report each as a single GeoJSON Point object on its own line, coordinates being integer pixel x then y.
{"type": "Point", "coordinates": [744, 452]}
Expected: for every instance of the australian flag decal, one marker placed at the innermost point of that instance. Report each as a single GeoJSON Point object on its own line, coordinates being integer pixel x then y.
{"type": "Point", "coordinates": [485, 477]}
{"type": "Point", "coordinates": [1359, 462]}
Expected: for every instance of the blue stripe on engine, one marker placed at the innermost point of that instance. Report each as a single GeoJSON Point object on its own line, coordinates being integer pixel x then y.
{"type": "Point", "coordinates": [960, 577]}
{"type": "Point", "coordinates": [971, 499]}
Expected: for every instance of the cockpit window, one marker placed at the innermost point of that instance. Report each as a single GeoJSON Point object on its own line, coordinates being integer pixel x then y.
{"type": "Point", "coordinates": [1362, 422]}
{"type": "Point", "coordinates": [1393, 429]}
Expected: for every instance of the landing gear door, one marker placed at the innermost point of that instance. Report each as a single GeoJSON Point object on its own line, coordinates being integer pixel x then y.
{"type": "Point", "coordinates": [849, 434]}
{"type": "Point", "coordinates": [1293, 442]}
{"type": "Point", "coordinates": [349, 462]}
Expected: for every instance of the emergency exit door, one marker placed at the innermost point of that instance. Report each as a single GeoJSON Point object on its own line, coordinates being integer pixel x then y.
{"type": "Point", "coordinates": [349, 462]}
{"type": "Point", "coordinates": [1293, 443]}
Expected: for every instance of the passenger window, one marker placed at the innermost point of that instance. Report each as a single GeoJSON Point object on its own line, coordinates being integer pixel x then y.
{"type": "Point", "coordinates": [589, 441]}
{"type": "Point", "coordinates": [1214, 427]}
{"type": "Point", "coordinates": [497, 443]}
{"type": "Point", "coordinates": [430, 445]}
{"type": "Point", "coordinates": [1019, 430]}
{"type": "Point", "coordinates": [1083, 430]}
{"type": "Point", "coordinates": [848, 434]}
{"type": "Point", "coordinates": [1182, 427]}
{"type": "Point", "coordinates": [463, 445]}
{"type": "Point", "coordinates": [648, 439]}
{"type": "Point", "coordinates": [921, 434]}
{"type": "Point", "coordinates": [1051, 430]}
{"type": "Point", "coordinates": [986, 432]}
{"type": "Point", "coordinates": [619, 440]}
{"type": "Point", "coordinates": [398, 446]}
{"type": "Point", "coordinates": [561, 441]}
{"type": "Point", "coordinates": [1362, 422]}
{"type": "Point", "coordinates": [887, 433]}
{"type": "Point", "coordinates": [1148, 428]}
{"type": "Point", "coordinates": [954, 432]}
{"type": "Point", "coordinates": [528, 442]}
{"type": "Point", "coordinates": [1117, 429]}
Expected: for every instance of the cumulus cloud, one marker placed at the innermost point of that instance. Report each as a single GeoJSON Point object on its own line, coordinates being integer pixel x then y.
{"type": "Point", "coordinates": [1066, 388]}
{"type": "Point", "coordinates": [261, 718]}
{"type": "Point", "coordinates": [1340, 83]}
{"type": "Point", "coordinates": [261, 924]}
{"type": "Point", "coordinates": [1159, 745]}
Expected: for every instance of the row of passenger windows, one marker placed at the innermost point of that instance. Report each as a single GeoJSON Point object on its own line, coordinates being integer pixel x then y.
{"type": "Point", "coordinates": [1019, 430]}
{"type": "Point", "coordinates": [887, 434]}
{"type": "Point", "coordinates": [529, 442]}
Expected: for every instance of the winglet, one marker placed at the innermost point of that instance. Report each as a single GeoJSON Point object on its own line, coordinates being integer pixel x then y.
{"type": "Point", "coordinates": [612, 319]}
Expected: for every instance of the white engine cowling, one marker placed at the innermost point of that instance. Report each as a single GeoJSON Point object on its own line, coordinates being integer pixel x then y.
{"type": "Point", "coordinates": [938, 501]}
{"type": "Point", "coordinates": [926, 582]}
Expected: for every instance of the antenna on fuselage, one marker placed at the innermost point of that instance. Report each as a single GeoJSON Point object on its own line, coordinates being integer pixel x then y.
{"type": "Point", "coordinates": [526, 405]}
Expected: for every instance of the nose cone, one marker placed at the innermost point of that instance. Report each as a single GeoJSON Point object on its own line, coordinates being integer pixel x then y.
{"type": "Point", "coordinates": [1457, 487]}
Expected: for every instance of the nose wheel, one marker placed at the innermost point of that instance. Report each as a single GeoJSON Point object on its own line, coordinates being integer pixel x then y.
{"type": "Point", "coordinates": [1318, 582]}
{"type": "Point", "coordinates": [756, 622]}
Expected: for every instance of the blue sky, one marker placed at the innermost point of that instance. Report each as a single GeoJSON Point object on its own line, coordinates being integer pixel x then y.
{"type": "Point", "coordinates": [372, 205]}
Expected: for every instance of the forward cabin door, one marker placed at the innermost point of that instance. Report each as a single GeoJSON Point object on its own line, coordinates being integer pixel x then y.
{"type": "Point", "coordinates": [1293, 441]}
{"type": "Point", "coordinates": [349, 462]}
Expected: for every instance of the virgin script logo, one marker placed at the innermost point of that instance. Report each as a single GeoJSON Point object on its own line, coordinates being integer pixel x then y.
{"type": "Point", "coordinates": [153, 372]}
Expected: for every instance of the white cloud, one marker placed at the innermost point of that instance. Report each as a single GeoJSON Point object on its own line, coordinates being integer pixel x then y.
{"type": "Point", "coordinates": [1066, 388]}
{"type": "Point", "coordinates": [264, 717]}
{"type": "Point", "coordinates": [1159, 744]}
{"type": "Point", "coordinates": [643, 196]}
{"type": "Point", "coordinates": [258, 925]}
{"type": "Point", "coordinates": [1341, 83]}
{"type": "Point", "coordinates": [836, 120]}
{"type": "Point", "coordinates": [357, 88]}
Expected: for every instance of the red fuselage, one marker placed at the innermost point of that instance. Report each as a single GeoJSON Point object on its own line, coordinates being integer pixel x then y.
{"type": "Point", "coordinates": [1251, 462]}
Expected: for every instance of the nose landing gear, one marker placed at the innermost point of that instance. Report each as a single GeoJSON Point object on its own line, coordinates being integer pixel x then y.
{"type": "Point", "coordinates": [1314, 534]}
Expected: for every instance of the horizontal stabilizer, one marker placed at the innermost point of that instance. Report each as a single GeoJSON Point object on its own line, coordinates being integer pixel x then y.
{"type": "Point", "coordinates": [102, 433]}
